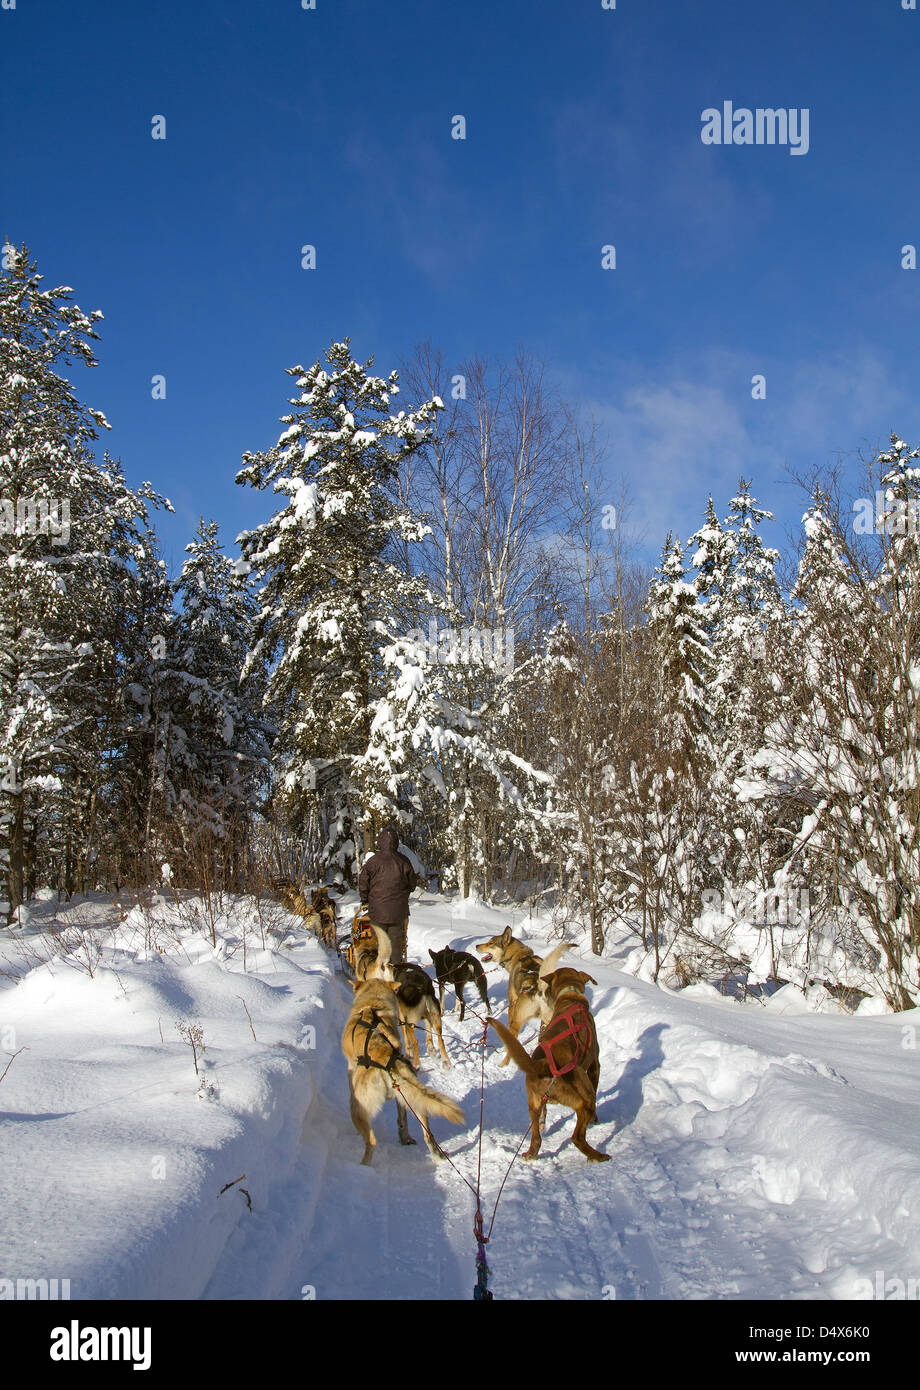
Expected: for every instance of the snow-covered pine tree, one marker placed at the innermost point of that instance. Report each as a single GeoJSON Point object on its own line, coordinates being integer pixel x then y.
{"type": "Point", "coordinates": [749, 630]}
{"type": "Point", "coordinates": [685, 667]}
{"type": "Point", "coordinates": [337, 601]}
{"type": "Point", "coordinates": [751, 651]}
{"type": "Point", "coordinates": [742, 612]}
{"type": "Point", "coordinates": [68, 527]}
{"type": "Point", "coordinates": [218, 740]}
{"type": "Point", "coordinates": [670, 781]}
{"type": "Point", "coordinates": [754, 588]}
{"type": "Point", "coordinates": [432, 743]}
{"type": "Point", "coordinates": [137, 792]}
{"type": "Point", "coordinates": [747, 623]}
{"type": "Point", "coordinates": [575, 677]}
{"type": "Point", "coordinates": [713, 559]}
{"type": "Point", "coordinates": [843, 757]}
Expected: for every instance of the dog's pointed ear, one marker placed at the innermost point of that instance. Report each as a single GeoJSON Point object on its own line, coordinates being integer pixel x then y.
{"type": "Point", "coordinates": [432, 954]}
{"type": "Point", "coordinates": [507, 936]}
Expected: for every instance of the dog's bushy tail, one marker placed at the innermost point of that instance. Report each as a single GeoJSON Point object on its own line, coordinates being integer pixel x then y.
{"type": "Point", "coordinates": [381, 968]}
{"type": "Point", "coordinates": [424, 1100]}
{"type": "Point", "coordinates": [551, 962]}
{"type": "Point", "coordinates": [515, 1050]}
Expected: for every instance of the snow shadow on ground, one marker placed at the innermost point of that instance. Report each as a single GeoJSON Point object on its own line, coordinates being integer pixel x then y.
{"type": "Point", "coordinates": [624, 1102]}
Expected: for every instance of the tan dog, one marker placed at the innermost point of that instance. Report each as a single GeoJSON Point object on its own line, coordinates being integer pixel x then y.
{"type": "Point", "coordinates": [378, 1071]}
{"type": "Point", "coordinates": [564, 1068]}
{"type": "Point", "coordinates": [372, 957]}
{"type": "Point", "coordinates": [292, 896]}
{"type": "Point", "coordinates": [416, 1004]}
{"type": "Point", "coordinates": [325, 908]}
{"type": "Point", "coordinates": [523, 969]}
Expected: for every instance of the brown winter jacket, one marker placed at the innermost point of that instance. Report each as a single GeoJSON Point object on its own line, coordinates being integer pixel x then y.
{"type": "Point", "coordinates": [386, 881]}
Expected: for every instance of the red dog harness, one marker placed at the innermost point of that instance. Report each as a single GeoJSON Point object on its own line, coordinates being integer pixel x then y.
{"type": "Point", "coordinates": [574, 1025]}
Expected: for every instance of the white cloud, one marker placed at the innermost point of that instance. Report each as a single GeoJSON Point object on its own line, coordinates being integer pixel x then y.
{"type": "Point", "coordinates": [676, 434]}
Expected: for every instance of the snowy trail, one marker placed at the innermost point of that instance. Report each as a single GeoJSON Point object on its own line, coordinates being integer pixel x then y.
{"type": "Point", "coordinates": [356, 1232]}
{"type": "Point", "coordinates": [712, 1191]}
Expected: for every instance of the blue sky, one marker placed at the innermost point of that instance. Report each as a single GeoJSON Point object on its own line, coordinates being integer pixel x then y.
{"type": "Point", "coordinates": [332, 127]}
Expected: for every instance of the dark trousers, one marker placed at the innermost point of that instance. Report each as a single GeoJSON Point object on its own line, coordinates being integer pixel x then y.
{"type": "Point", "coordinates": [398, 932]}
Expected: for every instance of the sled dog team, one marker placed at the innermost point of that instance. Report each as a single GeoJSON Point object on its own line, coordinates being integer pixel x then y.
{"type": "Point", "coordinates": [563, 1069]}
{"type": "Point", "coordinates": [390, 1000]}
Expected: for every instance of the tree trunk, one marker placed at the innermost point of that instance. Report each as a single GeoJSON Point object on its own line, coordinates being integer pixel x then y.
{"type": "Point", "coordinates": [16, 877]}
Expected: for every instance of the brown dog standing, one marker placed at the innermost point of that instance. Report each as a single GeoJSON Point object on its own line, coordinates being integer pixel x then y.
{"type": "Point", "coordinates": [524, 970]}
{"type": "Point", "coordinates": [564, 1068]}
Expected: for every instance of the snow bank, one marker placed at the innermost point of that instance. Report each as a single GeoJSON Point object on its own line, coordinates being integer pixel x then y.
{"type": "Point", "coordinates": [115, 1149]}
